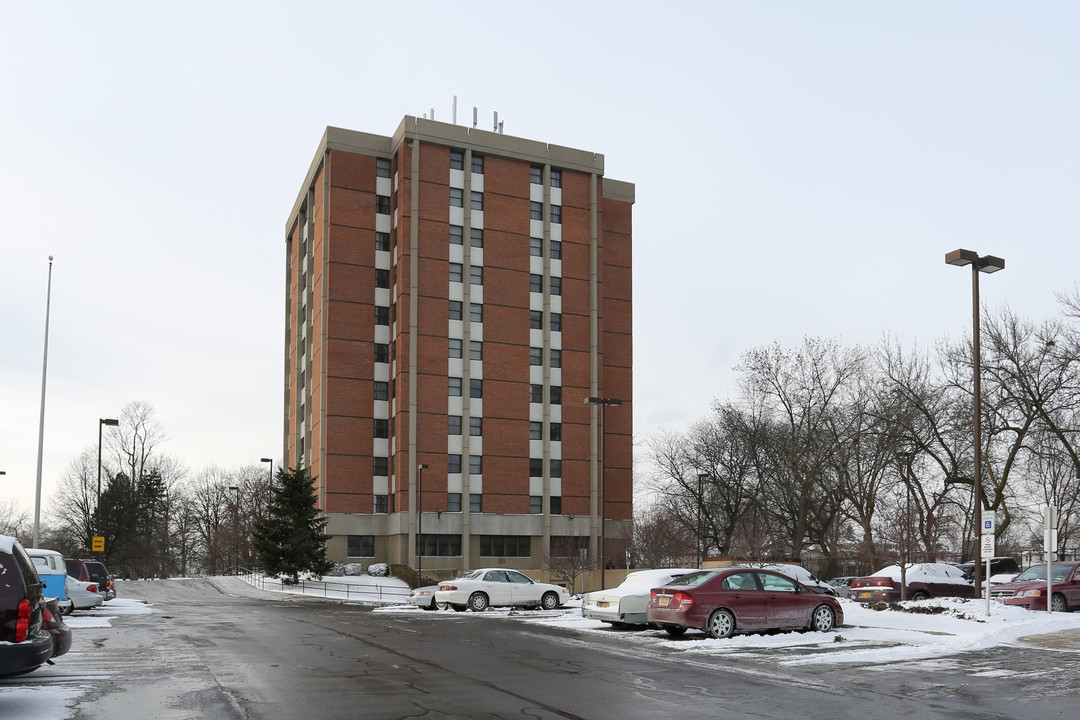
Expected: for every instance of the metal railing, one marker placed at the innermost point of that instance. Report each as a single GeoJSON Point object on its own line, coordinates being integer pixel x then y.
{"type": "Point", "coordinates": [374, 592]}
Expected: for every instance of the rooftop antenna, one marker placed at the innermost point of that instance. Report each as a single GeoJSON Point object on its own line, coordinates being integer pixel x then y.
{"type": "Point", "coordinates": [496, 122]}
{"type": "Point", "coordinates": [454, 114]}
{"type": "Point", "coordinates": [432, 113]}
{"type": "Point", "coordinates": [500, 128]}
{"type": "Point", "coordinates": [474, 116]}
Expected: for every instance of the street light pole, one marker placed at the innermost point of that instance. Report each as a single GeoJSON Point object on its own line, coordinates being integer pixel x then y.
{"type": "Point", "coordinates": [700, 503]}
{"type": "Point", "coordinates": [420, 523]}
{"type": "Point", "coordinates": [986, 264]}
{"type": "Point", "coordinates": [270, 481]}
{"type": "Point", "coordinates": [236, 527]}
{"type": "Point", "coordinates": [111, 422]}
{"type": "Point", "coordinates": [604, 403]}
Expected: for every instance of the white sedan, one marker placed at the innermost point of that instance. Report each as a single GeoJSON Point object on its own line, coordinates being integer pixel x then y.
{"type": "Point", "coordinates": [627, 604]}
{"type": "Point", "coordinates": [83, 595]}
{"type": "Point", "coordinates": [494, 587]}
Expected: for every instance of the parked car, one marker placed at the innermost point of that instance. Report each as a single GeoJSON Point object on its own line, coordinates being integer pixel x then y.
{"type": "Point", "coordinates": [50, 568]}
{"type": "Point", "coordinates": [801, 574]}
{"type": "Point", "coordinates": [84, 595]}
{"type": "Point", "coordinates": [53, 622]}
{"type": "Point", "coordinates": [732, 600]}
{"type": "Point", "coordinates": [496, 587]}
{"type": "Point", "coordinates": [24, 642]}
{"type": "Point", "coordinates": [98, 574]}
{"type": "Point", "coordinates": [842, 584]}
{"type": "Point", "coordinates": [627, 603]}
{"type": "Point", "coordinates": [424, 598]}
{"type": "Point", "coordinates": [77, 569]}
{"type": "Point", "coordinates": [998, 566]}
{"type": "Point", "coordinates": [924, 580]}
{"type": "Point", "coordinates": [1029, 588]}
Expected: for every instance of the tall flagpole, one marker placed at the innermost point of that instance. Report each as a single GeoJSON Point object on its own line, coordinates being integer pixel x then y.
{"type": "Point", "coordinates": [41, 424]}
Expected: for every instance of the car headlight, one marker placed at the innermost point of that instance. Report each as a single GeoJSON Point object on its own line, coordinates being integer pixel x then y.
{"type": "Point", "coordinates": [1031, 593]}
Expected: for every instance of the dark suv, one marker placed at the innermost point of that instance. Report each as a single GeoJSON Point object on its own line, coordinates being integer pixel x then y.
{"type": "Point", "coordinates": [24, 642]}
{"type": "Point", "coordinates": [998, 566]}
{"type": "Point", "coordinates": [98, 574]}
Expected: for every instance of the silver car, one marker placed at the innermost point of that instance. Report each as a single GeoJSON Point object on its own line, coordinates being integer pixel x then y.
{"type": "Point", "coordinates": [424, 598]}
{"type": "Point", "coordinates": [84, 595]}
{"type": "Point", "coordinates": [627, 603]}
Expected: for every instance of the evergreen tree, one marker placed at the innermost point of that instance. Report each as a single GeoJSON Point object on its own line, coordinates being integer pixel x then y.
{"type": "Point", "coordinates": [290, 539]}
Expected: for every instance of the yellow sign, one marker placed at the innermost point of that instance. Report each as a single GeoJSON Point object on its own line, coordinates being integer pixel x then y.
{"type": "Point", "coordinates": [99, 544]}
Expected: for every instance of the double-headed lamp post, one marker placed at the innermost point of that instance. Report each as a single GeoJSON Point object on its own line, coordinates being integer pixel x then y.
{"type": "Point", "coordinates": [236, 527]}
{"type": "Point", "coordinates": [111, 422]}
{"type": "Point", "coordinates": [420, 523]}
{"type": "Point", "coordinates": [604, 404]}
{"type": "Point", "coordinates": [986, 264]}
{"type": "Point", "coordinates": [269, 478]}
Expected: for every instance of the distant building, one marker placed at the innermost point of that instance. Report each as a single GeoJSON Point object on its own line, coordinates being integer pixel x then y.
{"type": "Point", "coordinates": [453, 298]}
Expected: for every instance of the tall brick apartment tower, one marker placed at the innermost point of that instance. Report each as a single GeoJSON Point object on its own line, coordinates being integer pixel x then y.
{"type": "Point", "coordinates": [453, 297]}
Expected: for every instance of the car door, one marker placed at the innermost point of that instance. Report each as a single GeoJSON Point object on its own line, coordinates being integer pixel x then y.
{"type": "Point", "coordinates": [784, 604]}
{"type": "Point", "coordinates": [741, 593]}
{"type": "Point", "coordinates": [523, 591]}
{"type": "Point", "coordinates": [497, 587]}
{"type": "Point", "coordinates": [1071, 588]}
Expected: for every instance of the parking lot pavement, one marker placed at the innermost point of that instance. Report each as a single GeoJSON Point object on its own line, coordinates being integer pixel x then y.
{"type": "Point", "coordinates": [1061, 640]}
{"type": "Point", "coordinates": [238, 587]}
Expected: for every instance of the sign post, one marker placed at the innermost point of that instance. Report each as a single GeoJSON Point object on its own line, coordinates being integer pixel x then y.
{"type": "Point", "coordinates": [1049, 545]}
{"type": "Point", "coordinates": [98, 544]}
{"type": "Point", "coordinates": [988, 538]}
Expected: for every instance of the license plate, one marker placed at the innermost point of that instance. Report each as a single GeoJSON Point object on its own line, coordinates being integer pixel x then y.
{"type": "Point", "coordinates": [866, 594]}
{"type": "Point", "coordinates": [601, 604]}
{"type": "Point", "coordinates": [663, 600]}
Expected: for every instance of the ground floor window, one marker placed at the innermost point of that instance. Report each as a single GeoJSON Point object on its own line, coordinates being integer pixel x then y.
{"type": "Point", "coordinates": [569, 546]}
{"type": "Point", "coordinates": [440, 545]}
{"type": "Point", "coordinates": [504, 546]}
{"type": "Point", "coordinates": [361, 546]}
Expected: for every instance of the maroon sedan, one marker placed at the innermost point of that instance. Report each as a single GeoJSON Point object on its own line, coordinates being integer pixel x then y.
{"type": "Point", "coordinates": [730, 600]}
{"type": "Point", "coordinates": [1028, 589]}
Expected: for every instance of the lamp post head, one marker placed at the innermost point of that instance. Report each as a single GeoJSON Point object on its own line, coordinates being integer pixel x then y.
{"type": "Point", "coordinates": [986, 263]}
{"type": "Point", "coordinates": [109, 421]}
{"type": "Point", "coordinates": [269, 460]}
{"type": "Point", "coordinates": [422, 466]}
{"type": "Point", "coordinates": [608, 402]}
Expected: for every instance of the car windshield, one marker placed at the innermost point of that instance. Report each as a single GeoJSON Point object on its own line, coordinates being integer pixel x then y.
{"type": "Point", "coordinates": [692, 579]}
{"type": "Point", "coordinates": [1058, 572]}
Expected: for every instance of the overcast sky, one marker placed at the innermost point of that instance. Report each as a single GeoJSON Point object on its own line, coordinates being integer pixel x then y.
{"type": "Point", "coordinates": [801, 169]}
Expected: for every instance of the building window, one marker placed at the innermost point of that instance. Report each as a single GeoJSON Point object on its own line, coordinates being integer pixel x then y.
{"type": "Point", "coordinates": [457, 197]}
{"type": "Point", "coordinates": [457, 159]}
{"type": "Point", "coordinates": [453, 424]}
{"type": "Point", "coordinates": [556, 213]}
{"type": "Point", "coordinates": [476, 503]}
{"type": "Point", "coordinates": [504, 546]}
{"type": "Point", "coordinates": [476, 312]}
{"type": "Point", "coordinates": [455, 309]}
{"type": "Point", "coordinates": [555, 432]}
{"type": "Point", "coordinates": [382, 428]}
{"type": "Point", "coordinates": [457, 234]}
{"type": "Point", "coordinates": [440, 545]}
{"type": "Point", "coordinates": [362, 545]}
{"type": "Point", "coordinates": [536, 504]}
{"type": "Point", "coordinates": [455, 272]}
{"type": "Point", "coordinates": [536, 247]}
{"type": "Point", "coordinates": [476, 350]}
{"type": "Point", "coordinates": [476, 465]}
{"type": "Point", "coordinates": [556, 286]}
{"type": "Point", "coordinates": [568, 546]}
{"type": "Point", "coordinates": [536, 210]}
{"type": "Point", "coordinates": [380, 504]}
{"type": "Point", "coordinates": [536, 283]}
{"type": "Point", "coordinates": [478, 164]}
{"type": "Point", "coordinates": [382, 167]}
{"type": "Point", "coordinates": [556, 249]}
{"type": "Point", "coordinates": [476, 388]}
{"type": "Point", "coordinates": [382, 204]}
{"type": "Point", "coordinates": [536, 175]}
{"type": "Point", "coordinates": [382, 278]}
{"type": "Point", "coordinates": [476, 237]}
{"type": "Point", "coordinates": [382, 390]}
{"type": "Point", "coordinates": [382, 315]}
{"type": "Point", "coordinates": [536, 356]}
{"type": "Point", "coordinates": [476, 426]}
{"type": "Point", "coordinates": [555, 322]}
{"type": "Point", "coordinates": [555, 357]}
{"type": "Point", "coordinates": [536, 320]}
{"type": "Point", "coordinates": [476, 274]}
{"type": "Point", "coordinates": [556, 177]}
{"type": "Point", "coordinates": [382, 241]}
{"type": "Point", "coordinates": [455, 387]}
{"type": "Point", "coordinates": [536, 430]}
{"type": "Point", "coordinates": [455, 347]}
{"type": "Point", "coordinates": [382, 353]}
{"type": "Point", "coordinates": [536, 393]}
{"type": "Point", "coordinates": [536, 467]}
{"type": "Point", "coordinates": [476, 200]}
{"type": "Point", "coordinates": [453, 464]}
{"type": "Point", "coordinates": [555, 468]}
{"type": "Point", "coordinates": [556, 505]}
{"type": "Point", "coordinates": [453, 502]}
{"type": "Point", "coordinates": [379, 466]}
{"type": "Point", "coordinates": [556, 395]}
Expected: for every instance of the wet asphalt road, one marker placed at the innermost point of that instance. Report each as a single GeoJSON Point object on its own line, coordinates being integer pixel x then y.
{"type": "Point", "coordinates": [205, 654]}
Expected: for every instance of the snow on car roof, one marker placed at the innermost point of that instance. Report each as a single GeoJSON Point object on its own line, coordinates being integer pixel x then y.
{"type": "Point", "coordinates": [923, 571]}
{"type": "Point", "coordinates": [7, 544]}
{"type": "Point", "coordinates": [649, 578]}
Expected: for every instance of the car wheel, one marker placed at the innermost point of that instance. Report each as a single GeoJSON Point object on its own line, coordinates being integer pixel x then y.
{"type": "Point", "coordinates": [920, 595]}
{"type": "Point", "coordinates": [442, 606]}
{"type": "Point", "coordinates": [549, 601]}
{"type": "Point", "coordinates": [459, 608]}
{"type": "Point", "coordinates": [823, 619]}
{"type": "Point", "coordinates": [478, 602]}
{"type": "Point", "coordinates": [721, 624]}
{"type": "Point", "coordinates": [429, 606]}
{"type": "Point", "coordinates": [1057, 603]}
{"type": "Point", "coordinates": [674, 630]}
